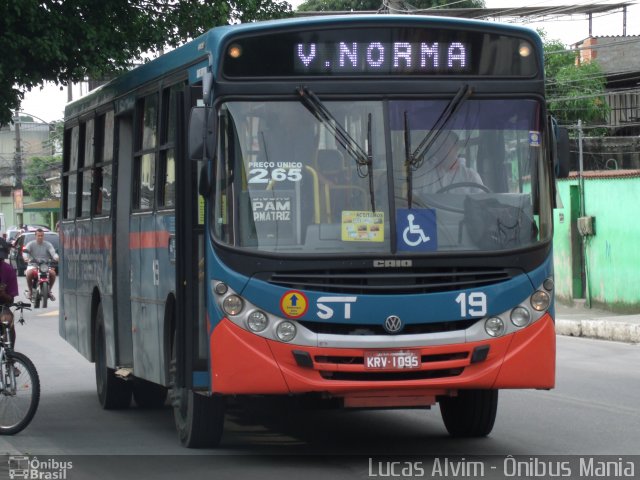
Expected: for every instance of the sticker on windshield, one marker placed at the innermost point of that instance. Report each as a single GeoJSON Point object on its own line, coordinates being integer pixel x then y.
{"type": "Point", "coordinates": [362, 226]}
{"type": "Point", "coordinates": [274, 215]}
{"type": "Point", "coordinates": [534, 139]}
{"type": "Point", "coordinates": [417, 229]}
{"type": "Point", "coordinates": [270, 172]}
{"type": "Point", "coordinates": [271, 208]}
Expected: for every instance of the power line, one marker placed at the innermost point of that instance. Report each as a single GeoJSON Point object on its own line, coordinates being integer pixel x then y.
{"type": "Point", "coordinates": [635, 39]}
{"type": "Point", "coordinates": [580, 97]}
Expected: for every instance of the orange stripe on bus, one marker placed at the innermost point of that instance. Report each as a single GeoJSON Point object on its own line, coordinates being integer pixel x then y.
{"type": "Point", "coordinates": [157, 239]}
{"type": "Point", "coordinates": [91, 242]}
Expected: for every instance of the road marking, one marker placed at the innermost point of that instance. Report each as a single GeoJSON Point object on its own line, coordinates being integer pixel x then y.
{"type": "Point", "coordinates": [54, 313]}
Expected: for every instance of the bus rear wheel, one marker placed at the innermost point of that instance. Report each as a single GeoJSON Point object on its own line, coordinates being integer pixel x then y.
{"type": "Point", "coordinates": [471, 414]}
{"type": "Point", "coordinates": [113, 392]}
{"type": "Point", "coordinates": [199, 418]}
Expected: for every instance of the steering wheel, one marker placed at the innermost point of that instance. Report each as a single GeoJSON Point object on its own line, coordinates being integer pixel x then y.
{"type": "Point", "coordinates": [453, 186]}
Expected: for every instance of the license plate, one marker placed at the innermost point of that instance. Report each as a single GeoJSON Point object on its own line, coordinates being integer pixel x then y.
{"type": "Point", "coordinates": [392, 360]}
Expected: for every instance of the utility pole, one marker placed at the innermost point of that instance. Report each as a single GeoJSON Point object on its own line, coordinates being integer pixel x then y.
{"type": "Point", "coordinates": [17, 158]}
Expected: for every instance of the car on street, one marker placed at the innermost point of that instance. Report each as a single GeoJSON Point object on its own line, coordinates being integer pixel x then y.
{"type": "Point", "coordinates": [15, 256]}
{"type": "Point", "coordinates": [14, 231]}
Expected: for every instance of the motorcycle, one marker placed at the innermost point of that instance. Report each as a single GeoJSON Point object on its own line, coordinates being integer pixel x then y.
{"type": "Point", "coordinates": [40, 284]}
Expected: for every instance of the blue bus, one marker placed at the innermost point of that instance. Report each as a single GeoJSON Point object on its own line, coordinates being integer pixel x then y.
{"type": "Point", "coordinates": [350, 208]}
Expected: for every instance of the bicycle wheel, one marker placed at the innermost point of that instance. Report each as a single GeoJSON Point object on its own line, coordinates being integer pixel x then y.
{"type": "Point", "coordinates": [21, 394]}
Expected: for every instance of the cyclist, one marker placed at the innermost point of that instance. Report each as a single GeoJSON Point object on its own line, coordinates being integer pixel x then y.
{"type": "Point", "coordinates": [35, 250]}
{"type": "Point", "coordinates": [8, 289]}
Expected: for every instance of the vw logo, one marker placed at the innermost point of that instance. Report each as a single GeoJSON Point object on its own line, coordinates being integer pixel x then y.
{"type": "Point", "coordinates": [393, 324]}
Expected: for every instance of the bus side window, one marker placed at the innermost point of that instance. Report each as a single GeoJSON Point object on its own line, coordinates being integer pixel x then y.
{"type": "Point", "coordinates": [97, 182]}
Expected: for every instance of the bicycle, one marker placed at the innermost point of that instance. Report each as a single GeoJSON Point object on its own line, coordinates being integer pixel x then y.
{"type": "Point", "coordinates": [19, 381]}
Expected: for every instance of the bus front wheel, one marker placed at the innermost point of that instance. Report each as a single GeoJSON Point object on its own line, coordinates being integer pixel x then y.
{"type": "Point", "coordinates": [199, 418]}
{"type": "Point", "coordinates": [470, 414]}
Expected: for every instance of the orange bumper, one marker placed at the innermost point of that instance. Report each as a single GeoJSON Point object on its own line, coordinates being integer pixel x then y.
{"type": "Point", "coordinates": [244, 363]}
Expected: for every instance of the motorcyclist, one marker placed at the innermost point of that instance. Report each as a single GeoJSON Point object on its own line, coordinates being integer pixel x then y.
{"type": "Point", "coordinates": [34, 251]}
{"type": "Point", "coordinates": [8, 289]}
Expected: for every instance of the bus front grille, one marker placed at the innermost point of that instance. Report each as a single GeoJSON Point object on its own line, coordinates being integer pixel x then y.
{"type": "Point", "coordinates": [327, 328]}
{"type": "Point", "coordinates": [389, 282]}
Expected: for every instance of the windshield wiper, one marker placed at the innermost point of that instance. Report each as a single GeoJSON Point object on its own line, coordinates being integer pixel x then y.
{"type": "Point", "coordinates": [452, 107]}
{"type": "Point", "coordinates": [409, 161]}
{"type": "Point", "coordinates": [363, 159]}
{"type": "Point", "coordinates": [414, 159]}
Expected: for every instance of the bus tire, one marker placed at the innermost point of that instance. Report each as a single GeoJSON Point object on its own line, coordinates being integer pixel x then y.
{"type": "Point", "coordinates": [113, 393]}
{"type": "Point", "coordinates": [199, 418]}
{"type": "Point", "coordinates": [471, 414]}
{"type": "Point", "coordinates": [148, 395]}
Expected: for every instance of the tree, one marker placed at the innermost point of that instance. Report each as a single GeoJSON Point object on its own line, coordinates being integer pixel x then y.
{"type": "Point", "coordinates": [37, 172]}
{"type": "Point", "coordinates": [574, 92]}
{"type": "Point", "coordinates": [359, 5]}
{"type": "Point", "coordinates": [68, 40]}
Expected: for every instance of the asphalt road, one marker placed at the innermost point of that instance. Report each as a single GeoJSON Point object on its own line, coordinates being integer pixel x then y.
{"type": "Point", "coordinates": [592, 411]}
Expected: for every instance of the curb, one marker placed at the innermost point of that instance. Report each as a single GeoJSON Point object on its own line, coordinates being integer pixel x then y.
{"type": "Point", "coordinates": [599, 329]}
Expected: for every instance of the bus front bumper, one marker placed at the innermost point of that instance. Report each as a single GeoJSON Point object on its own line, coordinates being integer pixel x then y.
{"type": "Point", "coordinates": [244, 363]}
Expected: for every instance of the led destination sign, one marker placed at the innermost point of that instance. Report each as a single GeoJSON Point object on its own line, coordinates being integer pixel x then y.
{"type": "Point", "coordinates": [380, 57]}
{"type": "Point", "coordinates": [374, 51]}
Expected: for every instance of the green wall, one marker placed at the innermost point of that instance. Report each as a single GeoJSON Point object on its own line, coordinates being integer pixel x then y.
{"type": "Point", "coordinates": [609, 275]}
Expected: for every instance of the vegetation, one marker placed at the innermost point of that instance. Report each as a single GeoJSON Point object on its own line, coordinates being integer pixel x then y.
{"type": "Point", "coordinates": [574, 92]}
{"type": "Point", "coordinates": [358, 5]}
{"type": "Point", "coordinates": [37, 171]}
{"type": "Point", "coordinates": [70, 40]}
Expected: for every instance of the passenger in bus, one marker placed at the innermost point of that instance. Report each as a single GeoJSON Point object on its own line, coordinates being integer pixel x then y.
{"type": "Point", "coordinates": [443, 166]}
{"type": "Point", "coordinates": [8, 289]}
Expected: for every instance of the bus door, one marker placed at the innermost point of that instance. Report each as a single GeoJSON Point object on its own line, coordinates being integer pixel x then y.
{"type": "Point", "coordinates": [191, 331]}
{"type": "Point", "coordinates": [144, 239]}
{"type": "Point", "coordinates": [122, 271]}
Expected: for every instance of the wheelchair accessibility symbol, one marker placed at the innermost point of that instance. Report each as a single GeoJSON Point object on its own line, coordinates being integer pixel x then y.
{"type": "Point", "coordinates": [414, 231]}
{"type": "Point", "coordinates": [417, 230]}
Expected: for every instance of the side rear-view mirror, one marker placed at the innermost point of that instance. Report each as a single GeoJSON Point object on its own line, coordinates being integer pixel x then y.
{"type": "Point", "coordinates": [202, 128]}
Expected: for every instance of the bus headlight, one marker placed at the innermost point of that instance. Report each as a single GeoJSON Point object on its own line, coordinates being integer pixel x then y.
{"type": "Point", "coordinates": [286, 331]}
{"type": "Point", "coordinates": [494, 326]}
{"type": "Point", "coordinates": [520, 317]}
{"type": "Point", "coordinates": [232, 305]}
{"type": "Point", "coordinates": [220, 288]}
{"type": "Point", "coordinates": [548, 284]}
{"type": "Point", "coordinates": [257, 321]}
{"type": "Point", "coordinates": [540, 300]}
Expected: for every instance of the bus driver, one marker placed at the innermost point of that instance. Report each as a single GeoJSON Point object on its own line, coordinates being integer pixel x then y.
{"type": "Point", "coordinates": [445, 167]}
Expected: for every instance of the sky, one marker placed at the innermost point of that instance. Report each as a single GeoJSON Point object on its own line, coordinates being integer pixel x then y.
{"type": "Point", "coordinates": [48, 103]}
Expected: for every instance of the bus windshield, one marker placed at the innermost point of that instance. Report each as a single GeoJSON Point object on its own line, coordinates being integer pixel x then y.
{"type": "Point", "coordinates": [472, 179]}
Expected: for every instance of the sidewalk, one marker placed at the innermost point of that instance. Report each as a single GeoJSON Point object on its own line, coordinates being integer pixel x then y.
{"type": "Point", "coordinates": [580, 321]}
